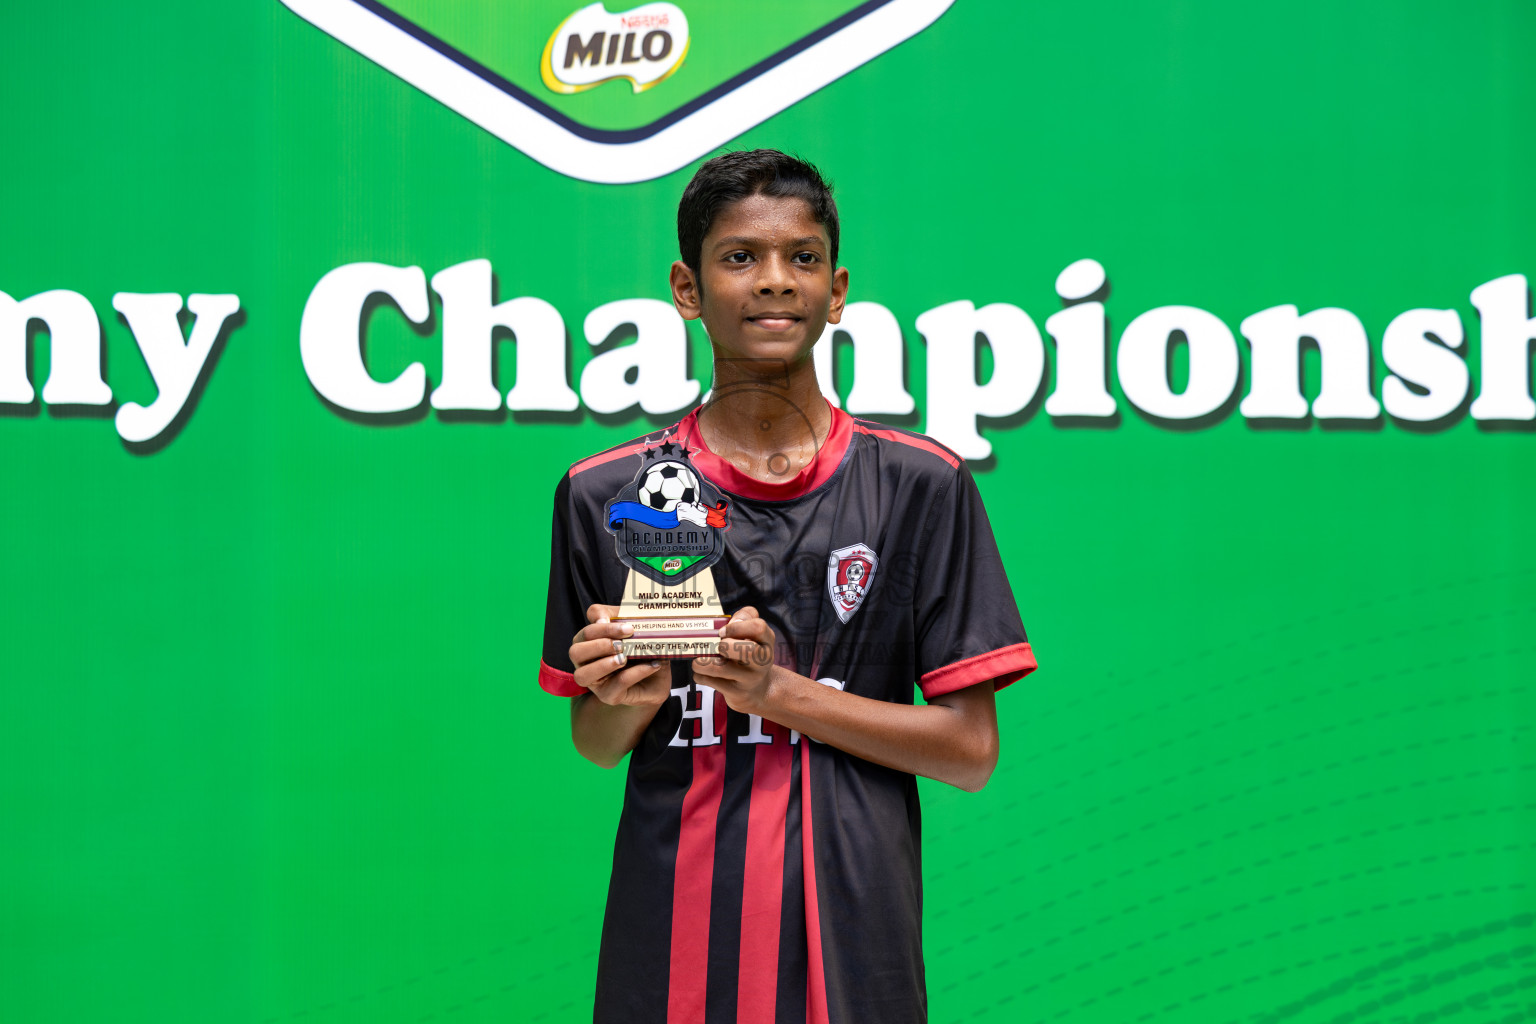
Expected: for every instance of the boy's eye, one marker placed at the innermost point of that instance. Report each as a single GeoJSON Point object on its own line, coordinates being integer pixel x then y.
{"type": "Point", "coordinates": [805, 257]}
{"type": "Point", "coordinates": [738, 257]}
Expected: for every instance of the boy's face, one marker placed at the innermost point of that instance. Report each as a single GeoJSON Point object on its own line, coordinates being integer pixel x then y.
{"type": "Point", "coordinates": [766, 288]}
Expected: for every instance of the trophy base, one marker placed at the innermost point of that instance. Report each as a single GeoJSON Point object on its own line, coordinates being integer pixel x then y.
{"type": "Point", "coordinates": [664, 638]}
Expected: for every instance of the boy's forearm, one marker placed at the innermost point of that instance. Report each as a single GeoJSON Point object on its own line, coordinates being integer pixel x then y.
{"type": "Point", "coordinates": [953, 738]}
{"type": "Point", "coordinates": [604, 733]}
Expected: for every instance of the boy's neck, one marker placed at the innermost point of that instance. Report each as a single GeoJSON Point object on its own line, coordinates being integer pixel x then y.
{"type": "Point", "coordinates": [770, 425]}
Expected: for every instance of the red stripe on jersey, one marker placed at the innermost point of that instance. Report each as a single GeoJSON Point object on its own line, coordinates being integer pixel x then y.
{"type": "Point", "coordinates": [1005, 665]}
{"type": "Point", "coordinates": [724, 475]}
{"type": "Point", "coordinates": [816, 970]}
{"type": "Point", "coordinates": [762, 885]}
{"type": "Point", "coordinates": [608, 456]}
{"type": "Point", "coordinates": [693, 883]}
{"type": "Point", "coordinates": [561, 684]}
{"type": "Point", "coordinates": [910, 439]}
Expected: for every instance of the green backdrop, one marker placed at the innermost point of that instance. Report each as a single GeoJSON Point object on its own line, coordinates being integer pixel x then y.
{"type": "Point", "coordinates": [271, 745]}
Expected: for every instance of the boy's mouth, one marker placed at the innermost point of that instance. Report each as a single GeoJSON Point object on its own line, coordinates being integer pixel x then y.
{"type": "Point", "coordinates": [774, 321]}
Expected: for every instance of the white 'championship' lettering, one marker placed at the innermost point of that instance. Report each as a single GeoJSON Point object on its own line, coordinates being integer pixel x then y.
{"type": "Point", "coordinates": [1427, 353]}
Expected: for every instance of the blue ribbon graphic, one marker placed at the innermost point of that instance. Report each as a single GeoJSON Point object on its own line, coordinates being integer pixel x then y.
{"type": "Point", "coordinates": [623, 510]}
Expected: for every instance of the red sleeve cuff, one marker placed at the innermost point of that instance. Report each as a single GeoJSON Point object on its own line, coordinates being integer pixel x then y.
{"type": "Point", "coordinates": [1004, 665]}
{"type": "Point", "coordinates": [561, 684]}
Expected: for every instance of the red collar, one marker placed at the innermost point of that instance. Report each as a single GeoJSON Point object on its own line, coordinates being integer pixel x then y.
{"type": "Point", "coordinates": [728, 478]}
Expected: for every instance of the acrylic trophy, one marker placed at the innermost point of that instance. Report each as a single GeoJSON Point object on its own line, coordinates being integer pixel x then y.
{"type": "Point", "coordinates": [669, 525]}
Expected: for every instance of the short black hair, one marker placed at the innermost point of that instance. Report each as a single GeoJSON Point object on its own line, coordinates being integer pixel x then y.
{"type": "Point", "coordinates": [732, 177]}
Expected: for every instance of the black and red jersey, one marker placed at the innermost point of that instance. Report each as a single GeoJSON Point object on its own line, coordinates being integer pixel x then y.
{"type": "Point", "coordinates": [760, 877]}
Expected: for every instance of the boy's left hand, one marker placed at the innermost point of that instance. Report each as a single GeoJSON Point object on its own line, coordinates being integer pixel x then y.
{"type": "Point", "coordinates": [743, 672]}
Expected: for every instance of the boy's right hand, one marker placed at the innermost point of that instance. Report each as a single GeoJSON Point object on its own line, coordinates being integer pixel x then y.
{"type": "Point", "coordinates": [601, 668]}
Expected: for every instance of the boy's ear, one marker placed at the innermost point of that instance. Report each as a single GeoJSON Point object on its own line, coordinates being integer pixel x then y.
{"type": "Point", "coordinates": [839, 295]}
{"type": "Point", "coordinates": [686, 295]}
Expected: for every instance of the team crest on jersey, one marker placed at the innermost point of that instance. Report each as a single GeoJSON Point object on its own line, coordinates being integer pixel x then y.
{"type": "Point", "coordinates": [669, 522]}
{"type": "Point", "coordinates": [850, 571]}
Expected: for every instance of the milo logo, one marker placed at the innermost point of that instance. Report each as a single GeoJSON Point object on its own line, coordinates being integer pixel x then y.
{"type": "Point", "coordinates": [592, 46]}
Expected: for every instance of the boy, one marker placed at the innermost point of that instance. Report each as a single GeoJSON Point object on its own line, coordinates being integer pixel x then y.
{"type": "Point", "coordinates": [767, 863]}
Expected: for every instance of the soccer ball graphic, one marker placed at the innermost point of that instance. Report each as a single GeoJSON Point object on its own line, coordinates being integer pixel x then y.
{"type": "Point", "coordinates": [666, 484]}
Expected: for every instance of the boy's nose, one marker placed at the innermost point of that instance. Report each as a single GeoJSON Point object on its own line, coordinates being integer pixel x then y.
{"type": "Point", "coordinates": [775, 278]}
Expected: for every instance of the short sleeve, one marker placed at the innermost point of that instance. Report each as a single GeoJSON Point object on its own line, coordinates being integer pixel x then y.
{"type": "Point", "coordinates": [572, 589]}
{"type": "Point", "coordinates": [968, 624]}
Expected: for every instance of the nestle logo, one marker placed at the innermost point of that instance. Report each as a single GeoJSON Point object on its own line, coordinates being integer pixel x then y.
{"type": "Point", "coordinates": [592, 47]}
